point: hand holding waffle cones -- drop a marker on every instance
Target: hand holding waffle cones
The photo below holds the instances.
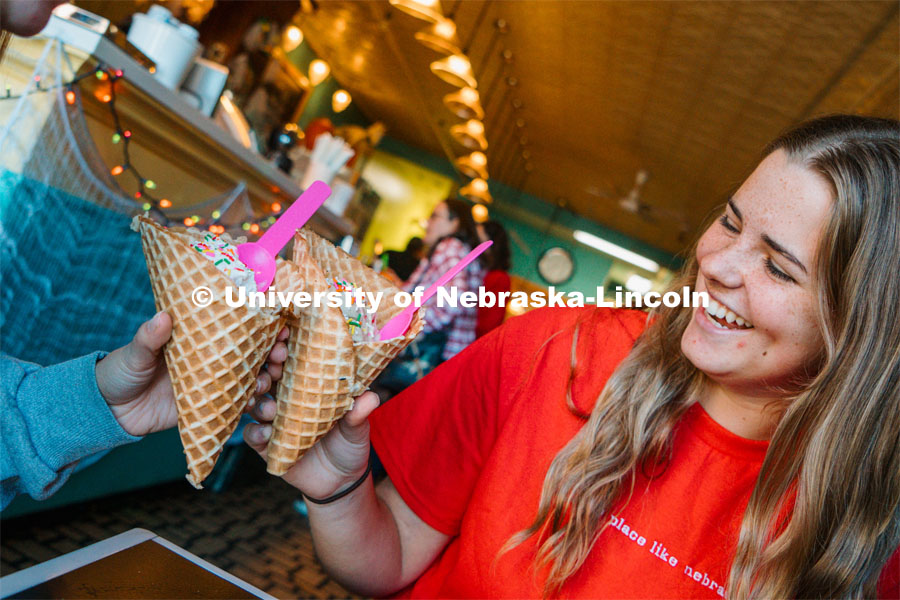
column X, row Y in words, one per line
column 326, row 368
column 135, row 383
column 216, row 352
column 335, row 461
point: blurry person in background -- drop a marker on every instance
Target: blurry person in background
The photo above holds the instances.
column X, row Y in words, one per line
column 496, row 261
column 449, row 236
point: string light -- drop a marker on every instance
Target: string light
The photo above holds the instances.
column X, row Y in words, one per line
column 147, row 201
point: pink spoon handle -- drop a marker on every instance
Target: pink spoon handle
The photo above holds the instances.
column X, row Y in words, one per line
column 295, row 217
column 431, row 291
column 398, row 325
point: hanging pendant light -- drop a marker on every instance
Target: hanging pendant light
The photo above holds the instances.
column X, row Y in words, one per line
column 473, row 165
column 479, row 213
column 293, row 37
column 470, row 134
column 340, row 100
column 476, row 191
column 440, row 37
column 318, row 71
column 455, row 70
column 465, row 103
column 427, row 10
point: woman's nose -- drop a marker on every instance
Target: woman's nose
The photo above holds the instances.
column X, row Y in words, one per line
column 724, row 265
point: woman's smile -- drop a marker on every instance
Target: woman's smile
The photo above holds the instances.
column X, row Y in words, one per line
column 720, row 315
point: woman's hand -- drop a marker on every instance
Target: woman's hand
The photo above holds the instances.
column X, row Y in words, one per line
column 335, row 462
column 135, row 382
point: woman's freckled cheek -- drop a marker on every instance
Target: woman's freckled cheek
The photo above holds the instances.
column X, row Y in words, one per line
column 741, row 344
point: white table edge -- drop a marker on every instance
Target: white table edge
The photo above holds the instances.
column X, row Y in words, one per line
column 26, row 578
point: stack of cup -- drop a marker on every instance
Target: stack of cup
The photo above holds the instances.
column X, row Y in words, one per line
column 172, row 45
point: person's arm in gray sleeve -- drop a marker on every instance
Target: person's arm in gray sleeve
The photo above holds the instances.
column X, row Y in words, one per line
column 51, row 417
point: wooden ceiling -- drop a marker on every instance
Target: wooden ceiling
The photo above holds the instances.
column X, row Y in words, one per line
column 688, row 91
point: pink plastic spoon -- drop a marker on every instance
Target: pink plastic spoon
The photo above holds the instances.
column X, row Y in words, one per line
column 260, row 256
column 398, row 325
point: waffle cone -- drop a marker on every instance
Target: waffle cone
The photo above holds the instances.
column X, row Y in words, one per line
column 216, row 352
column 325, row 369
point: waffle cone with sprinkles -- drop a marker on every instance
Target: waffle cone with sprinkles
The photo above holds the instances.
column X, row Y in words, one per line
column 216, row 352
column 325, row 369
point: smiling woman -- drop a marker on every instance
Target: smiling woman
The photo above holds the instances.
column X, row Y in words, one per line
column 806, row 255
column 747, row 450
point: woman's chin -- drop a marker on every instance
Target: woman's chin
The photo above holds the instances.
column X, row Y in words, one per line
column 705, row 358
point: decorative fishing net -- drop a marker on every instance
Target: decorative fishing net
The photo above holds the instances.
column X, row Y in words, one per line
column 72, row 274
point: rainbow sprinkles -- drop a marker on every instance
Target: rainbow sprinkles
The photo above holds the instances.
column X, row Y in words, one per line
column 224, row 256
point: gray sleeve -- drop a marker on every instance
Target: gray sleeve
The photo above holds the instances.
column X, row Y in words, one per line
column 51, row 417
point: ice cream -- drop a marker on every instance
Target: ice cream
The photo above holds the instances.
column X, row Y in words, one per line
column 225, row 258
column 359, row 320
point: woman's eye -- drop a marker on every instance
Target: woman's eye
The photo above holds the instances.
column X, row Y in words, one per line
column 775, row 271
column 727, row 224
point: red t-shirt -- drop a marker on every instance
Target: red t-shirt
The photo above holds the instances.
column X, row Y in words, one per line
column 468, row 448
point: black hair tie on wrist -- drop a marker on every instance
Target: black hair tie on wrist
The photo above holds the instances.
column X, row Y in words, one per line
column 340, row 495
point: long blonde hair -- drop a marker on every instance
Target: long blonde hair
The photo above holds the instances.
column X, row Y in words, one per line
column 833, row 462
